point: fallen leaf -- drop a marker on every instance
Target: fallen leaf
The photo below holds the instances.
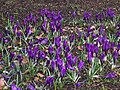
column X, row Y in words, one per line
column 79, row 48
column 40, row 75
column 25, row 60
column 8, row 47
column 1, row 67
column 16, row 42
column 1, row 83
column 36, row 79
column 38, row 37
column 26, row 71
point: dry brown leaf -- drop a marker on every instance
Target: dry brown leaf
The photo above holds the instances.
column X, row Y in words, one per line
column 36, row 79
column 2, row 83
column 79, row 48
column 26, row 71
column 25, row 60
column 16, row 42
column 1, row 67
column 38, row 37
column 40, row 75
column 8, row 47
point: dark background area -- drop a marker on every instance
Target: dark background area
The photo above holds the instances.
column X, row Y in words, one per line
column 20, row 8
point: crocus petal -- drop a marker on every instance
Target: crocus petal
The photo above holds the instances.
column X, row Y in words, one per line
column 30, row 87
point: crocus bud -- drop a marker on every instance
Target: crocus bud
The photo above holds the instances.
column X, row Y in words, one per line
column 57, row 41
column 89, row 57
column 71, row 37
column 50, row 50
column 30, row 87
column 80, row 65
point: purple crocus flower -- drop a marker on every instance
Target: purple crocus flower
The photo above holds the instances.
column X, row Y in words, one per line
column 62, row 71
column 43, row 29
column 11, row 55
column 118, row 46
column 41, row 55
column 14, row 87
column 11, row 19
column 34, row 19
column 115, row 55
column 96, row 17
column 80, row 65
column 52, row 28
column 50, row 50
column 5, row 40
column 110, row 75
column 19, row 57
column 61, row 31
column 58, row 25
column 79, row 34
column 74, row 59
column 71, row 37
column 74, row 14
column 44, row 41
column 47, row 63
column 93, row 35
column 77, row 84
column 85, row 16
column 57, row 41
column 49, row 80
column 52, row 65
column 30, row 87
column 65, row 44
column 89, row 57
column 102, row 57
column 101, row 29
column 15, row 29
column 18, row 34
column 24, row 21
column 101, row 16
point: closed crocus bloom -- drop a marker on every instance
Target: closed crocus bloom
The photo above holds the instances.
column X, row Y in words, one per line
column 34, row 19
column 61, row 31
column 77, row 84
column 115, row 55
column 118, row 33
column 58, row 25
column 110, row 75
column 19, row 57
column 24, row 21
column 85, row 16
column 89, row 55
column 112, row 46
column 71, row 37
column 50, row 50
column 93, row 35
column 11, row 18
column 62, row 71
column 30, row 53
column 47, row 63
column 57, row 41
column 30, row 87
column 15, row 29
column 79, row 34
column 64, row 43
column 18, row 34
column 52, row 28
column 43, row 29
column 96, row 49
column 101, row 29
column 49, row 80
column 80, row 64
column 74, row 14
column 118, row 46
column 92, row 48
column 102, row 57
column 67, row 50
column 101, row 16
column 87, row 46
column 96, row 17
column 74, row 59
column 27, row 30
column 5, row 40
column 11, row 55
column 52, row 65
